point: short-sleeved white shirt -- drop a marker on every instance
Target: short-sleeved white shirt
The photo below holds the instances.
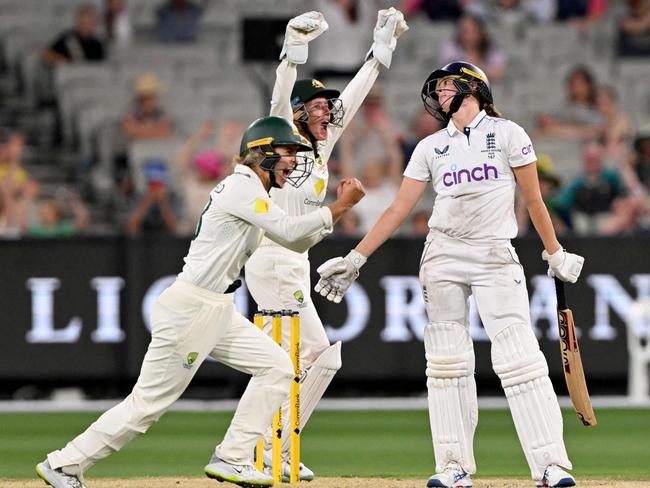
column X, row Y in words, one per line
column 471, row 172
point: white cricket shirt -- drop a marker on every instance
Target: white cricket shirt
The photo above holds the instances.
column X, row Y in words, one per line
column 231, row 227
column 310, row 195
column 471, row 172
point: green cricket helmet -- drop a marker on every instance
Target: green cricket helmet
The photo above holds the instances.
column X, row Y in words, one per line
column 468, row 79
column 308, row 89
column 266, row 133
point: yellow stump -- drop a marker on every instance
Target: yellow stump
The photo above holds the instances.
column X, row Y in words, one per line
column 294, row 446
column 258, row 320
column 276, row 469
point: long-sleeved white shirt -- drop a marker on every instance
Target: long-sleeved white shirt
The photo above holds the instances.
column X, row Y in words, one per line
column 310, row 195
column 236, row 217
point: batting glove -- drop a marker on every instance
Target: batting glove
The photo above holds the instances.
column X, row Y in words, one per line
column 390, row 25
column 300, row 31
column 563, row 265
column 338, row 274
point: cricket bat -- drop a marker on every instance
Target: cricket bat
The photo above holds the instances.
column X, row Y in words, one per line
column 571, row 362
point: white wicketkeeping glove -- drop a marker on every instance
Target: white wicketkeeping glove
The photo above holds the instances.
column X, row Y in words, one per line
column 390, row 25
column 300, row 31
column 563, row 265
column 338, row 274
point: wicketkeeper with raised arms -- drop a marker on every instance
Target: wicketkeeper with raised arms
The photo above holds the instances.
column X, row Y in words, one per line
column 474, row 164
column 278, row 278
column 195, row 317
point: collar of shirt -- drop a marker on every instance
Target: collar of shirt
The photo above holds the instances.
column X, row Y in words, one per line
column 242, row 169
column 452, row 129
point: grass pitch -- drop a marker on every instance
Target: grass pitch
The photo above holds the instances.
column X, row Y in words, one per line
column 364, row 444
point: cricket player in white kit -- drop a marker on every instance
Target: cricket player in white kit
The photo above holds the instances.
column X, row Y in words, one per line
column 474, row 164
column 278, row 278
column 195, row 317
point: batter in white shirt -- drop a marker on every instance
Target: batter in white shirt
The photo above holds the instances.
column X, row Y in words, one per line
column 474, row 164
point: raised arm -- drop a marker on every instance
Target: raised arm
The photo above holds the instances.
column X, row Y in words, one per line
column 390, row 26
column 300, row 31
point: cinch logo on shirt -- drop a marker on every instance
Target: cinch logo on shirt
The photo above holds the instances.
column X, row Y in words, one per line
column 479, row 173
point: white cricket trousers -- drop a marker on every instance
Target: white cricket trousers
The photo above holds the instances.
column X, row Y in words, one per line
column 450, row 271
column 188, row 324
column 277, row 279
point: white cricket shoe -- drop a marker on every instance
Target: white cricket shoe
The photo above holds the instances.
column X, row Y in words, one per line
column 305, row 473
column 56, row 477
column 554, row 476
column 453, row 476
column 245, row 475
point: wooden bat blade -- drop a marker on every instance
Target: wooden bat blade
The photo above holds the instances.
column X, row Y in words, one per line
column 573, row 371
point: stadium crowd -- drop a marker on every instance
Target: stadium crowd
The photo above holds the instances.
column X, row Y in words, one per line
column 119, row 116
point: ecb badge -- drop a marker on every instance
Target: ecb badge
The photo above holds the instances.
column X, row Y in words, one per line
column 490, row 144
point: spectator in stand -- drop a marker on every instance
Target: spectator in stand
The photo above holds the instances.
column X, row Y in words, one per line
column 17, row 188
column 79, row 44
column 513, row 12
column 61, row 216
column 178, row 21
column 582, row 13
column 549, row 187
column 640, row 160
column 423, row 126
column 589, row 198
column 634, row 30
column 617, row 127
column 435, row 10
column 371, row 134
column 578, row 118
column 155, row 211
column 147, row 120
column 632, row 213
column 420, row 224
column 116, row 25
column 340, row 51
column 473, row 44
column 202, row 167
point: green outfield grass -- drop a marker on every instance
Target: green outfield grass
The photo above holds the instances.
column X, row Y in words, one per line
column 355, row 443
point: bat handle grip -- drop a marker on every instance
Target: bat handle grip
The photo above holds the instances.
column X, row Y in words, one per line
column 559, row 293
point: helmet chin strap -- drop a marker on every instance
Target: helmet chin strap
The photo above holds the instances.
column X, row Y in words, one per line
column 304, row 125
column 455, row 105
column 274, row 182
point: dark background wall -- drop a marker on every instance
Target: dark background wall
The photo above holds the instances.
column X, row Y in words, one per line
column 52, row 286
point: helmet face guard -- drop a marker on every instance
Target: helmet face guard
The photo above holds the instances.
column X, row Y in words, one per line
column 268, row 158
column 262, row 137
column 335, row 107
column 468, row 80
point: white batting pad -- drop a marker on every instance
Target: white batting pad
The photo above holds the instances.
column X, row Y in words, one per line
column 523, row 371
column 453, row 406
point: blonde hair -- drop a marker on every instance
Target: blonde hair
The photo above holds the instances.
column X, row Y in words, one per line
column 250, row 159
